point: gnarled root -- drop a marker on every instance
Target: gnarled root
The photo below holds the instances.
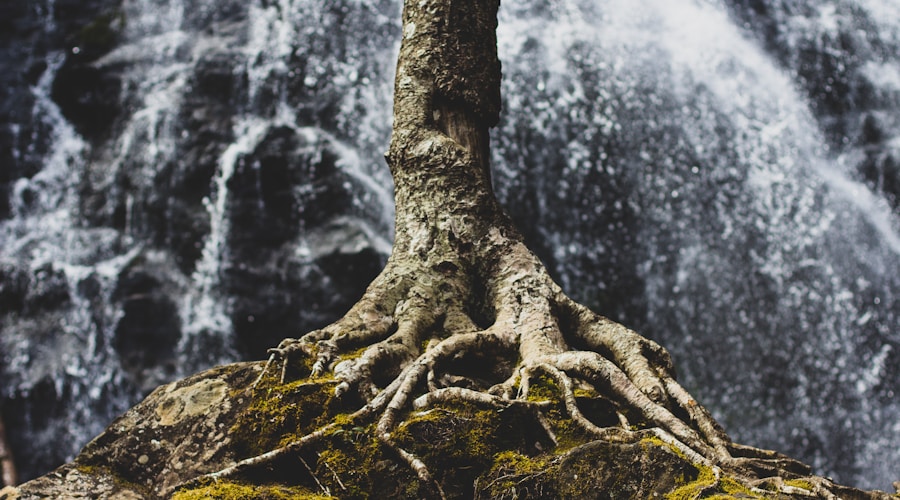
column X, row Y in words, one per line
column 408, row 345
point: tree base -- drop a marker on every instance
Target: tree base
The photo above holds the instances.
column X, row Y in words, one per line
column 410, row 354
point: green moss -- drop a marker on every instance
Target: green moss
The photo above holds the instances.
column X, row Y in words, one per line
column 349, row 465
column 619, row 470
column 511, row 466
column 800, row 483
column 101, row 471
column 226, row 490
column 655, row 441
column 652, row 440
column 693, row 489
column 571, row 476
column 734, row 488
column 568, row 433
column 543, row 388
column 519, row 462
column 353, row 354
column 476, row 432
column 279, row 414
column 585, row 393
column 91, row 470
column 459, row 441
column 706, row 486
column 349, row 461
column 353, row 464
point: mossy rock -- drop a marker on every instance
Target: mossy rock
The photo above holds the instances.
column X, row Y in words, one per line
column 214, row 419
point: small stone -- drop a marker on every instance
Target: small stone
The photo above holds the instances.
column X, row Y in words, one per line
column 143, row 459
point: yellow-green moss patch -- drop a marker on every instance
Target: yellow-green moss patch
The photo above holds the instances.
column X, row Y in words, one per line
column 511, row 466
column 707, row 486
column 800, row 483
column 279, row 414
column 226, row 490
column 543, row 388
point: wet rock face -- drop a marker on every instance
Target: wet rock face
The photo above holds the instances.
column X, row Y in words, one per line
column 88, row 95
column 140, row 184
column 26, row 40
column 289, row 186
column 841, row 55
column 14, row 102
column 880, row 168
column 82, row 93
column 146, row 336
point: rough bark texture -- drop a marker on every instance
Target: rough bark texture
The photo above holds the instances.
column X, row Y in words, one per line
column 463, row 338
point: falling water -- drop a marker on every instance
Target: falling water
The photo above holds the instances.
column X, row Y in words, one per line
column 72, row 373
column 712, row 213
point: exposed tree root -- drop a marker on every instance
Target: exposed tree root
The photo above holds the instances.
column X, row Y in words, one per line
column 405, row 348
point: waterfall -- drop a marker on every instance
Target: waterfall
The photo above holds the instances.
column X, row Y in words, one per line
column 683, row 181
column 58, row 360
column 190, row 181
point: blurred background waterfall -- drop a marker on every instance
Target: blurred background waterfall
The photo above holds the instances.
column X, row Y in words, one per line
column 185, row 182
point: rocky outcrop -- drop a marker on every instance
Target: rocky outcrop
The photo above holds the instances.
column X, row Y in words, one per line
column 209, row 421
